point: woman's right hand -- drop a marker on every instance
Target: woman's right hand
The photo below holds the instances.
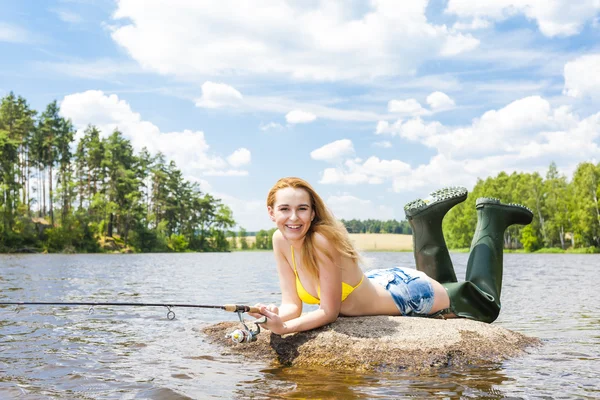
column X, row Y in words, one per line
column 271, row 307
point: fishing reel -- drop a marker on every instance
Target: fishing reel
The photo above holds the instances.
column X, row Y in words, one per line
column 245, row 334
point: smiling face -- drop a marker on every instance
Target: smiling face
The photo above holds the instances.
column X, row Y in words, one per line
column 292, row 212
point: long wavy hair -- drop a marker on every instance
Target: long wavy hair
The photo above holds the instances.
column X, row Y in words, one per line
column 324, row 223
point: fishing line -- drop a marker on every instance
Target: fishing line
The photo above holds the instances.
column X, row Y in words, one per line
column 239, row 335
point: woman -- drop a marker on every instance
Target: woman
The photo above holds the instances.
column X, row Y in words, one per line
column 317, row 264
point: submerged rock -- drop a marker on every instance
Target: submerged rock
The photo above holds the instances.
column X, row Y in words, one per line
column 382, row 343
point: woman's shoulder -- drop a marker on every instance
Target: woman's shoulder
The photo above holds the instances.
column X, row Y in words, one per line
column 322, row 241
column 278, row 239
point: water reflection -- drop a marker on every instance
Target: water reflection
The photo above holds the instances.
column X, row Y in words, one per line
column 290, row 382
column 117, row 353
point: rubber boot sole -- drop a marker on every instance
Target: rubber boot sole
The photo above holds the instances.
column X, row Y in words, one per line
column 516, row 213
column 454, row 194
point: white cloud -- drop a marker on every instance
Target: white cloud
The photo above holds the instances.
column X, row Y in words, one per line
column 525, row 135
column 474, row 24
column 225, row 172
column 407, row 107
column 346, row 206
column 459, row 43
column 373, row 171
column 496, row 131
column 373, row 166
column 249, row 214
column 69, row 16
column 426, row 177
column 555, row 17
column 337, row 176
column 582, row 76
column 440, row 101
column 385, row 144
column 239, row 157
column 96, row 69
column 333, row 151
column 13, row 34
column 215, row 95
column 188, row 149
column 384, row 127
column 299, row 117
column 203, row 184
column 195, row 39
column 414, row 129
column 270, row 125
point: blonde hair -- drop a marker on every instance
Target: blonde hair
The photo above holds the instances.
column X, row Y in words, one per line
column 323, row 223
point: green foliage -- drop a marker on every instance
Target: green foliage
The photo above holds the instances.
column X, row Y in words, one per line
column 585, row 250
column 529, row 239
column 243, row 240
column 550, row 250
column 377, row 226
column 264, row 239
column 59, row 195
column 562, row 210
column 56, row 194
column 177, row 243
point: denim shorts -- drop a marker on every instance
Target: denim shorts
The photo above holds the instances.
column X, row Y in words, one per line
column 411, row 290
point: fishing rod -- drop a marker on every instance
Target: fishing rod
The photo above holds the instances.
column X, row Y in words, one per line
column 239, row 335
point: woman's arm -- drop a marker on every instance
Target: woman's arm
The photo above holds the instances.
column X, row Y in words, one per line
column 330, row 281
column 291, row 305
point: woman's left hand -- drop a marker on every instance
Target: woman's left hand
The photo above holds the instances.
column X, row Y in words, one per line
column 274, row 322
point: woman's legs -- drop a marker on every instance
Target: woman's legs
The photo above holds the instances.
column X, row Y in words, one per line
column 479, row 296
column 425, row 217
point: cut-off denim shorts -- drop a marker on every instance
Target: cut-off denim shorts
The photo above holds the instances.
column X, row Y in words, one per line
column 411, row 290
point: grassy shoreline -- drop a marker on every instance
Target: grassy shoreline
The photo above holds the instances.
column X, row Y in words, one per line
column 389, row 242
column 546, row 250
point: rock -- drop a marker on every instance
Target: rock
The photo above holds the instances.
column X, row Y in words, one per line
column 382, row 343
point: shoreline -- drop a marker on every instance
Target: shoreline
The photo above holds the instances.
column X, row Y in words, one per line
column 364, row 242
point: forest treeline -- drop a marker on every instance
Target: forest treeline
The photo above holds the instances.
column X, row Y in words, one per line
column 263, row 238
column 62, row 194
column 377, row 226
column 59, row 194
column 566, row 213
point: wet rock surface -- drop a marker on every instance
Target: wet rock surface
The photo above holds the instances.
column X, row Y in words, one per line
column 382, row 343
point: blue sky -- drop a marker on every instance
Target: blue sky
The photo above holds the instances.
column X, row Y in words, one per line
column 375, row 103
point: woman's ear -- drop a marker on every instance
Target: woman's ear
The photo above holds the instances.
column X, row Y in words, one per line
column 271, row 213
column 312, row 217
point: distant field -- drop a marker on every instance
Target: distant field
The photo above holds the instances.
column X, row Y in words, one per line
column 370, row 241
column 381, row 241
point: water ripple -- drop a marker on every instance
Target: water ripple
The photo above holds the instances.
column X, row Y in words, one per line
column 135, row 353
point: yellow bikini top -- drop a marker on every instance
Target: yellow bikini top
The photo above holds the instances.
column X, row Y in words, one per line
column 309, row 298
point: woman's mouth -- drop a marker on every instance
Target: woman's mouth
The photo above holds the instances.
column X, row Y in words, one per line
column 293, row 227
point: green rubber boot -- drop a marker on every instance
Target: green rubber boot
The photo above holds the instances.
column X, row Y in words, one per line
column 425, row 218
column 479, row 296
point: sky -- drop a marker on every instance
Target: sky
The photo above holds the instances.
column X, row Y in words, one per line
column 375, row 103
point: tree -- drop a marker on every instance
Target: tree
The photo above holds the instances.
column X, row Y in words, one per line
column 16, row 126
column 557, row 206
column 586, row 215
column 243, row 240
column 121, row 187
column 51, row 128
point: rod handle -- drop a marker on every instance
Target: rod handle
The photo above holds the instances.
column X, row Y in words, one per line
column 236, row 308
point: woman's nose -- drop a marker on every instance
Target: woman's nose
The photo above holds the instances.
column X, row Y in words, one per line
column 293, row 217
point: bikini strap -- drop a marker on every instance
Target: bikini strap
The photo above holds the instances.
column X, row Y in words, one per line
column 294, row 260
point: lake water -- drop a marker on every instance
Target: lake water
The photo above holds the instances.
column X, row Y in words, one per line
column 137, row 353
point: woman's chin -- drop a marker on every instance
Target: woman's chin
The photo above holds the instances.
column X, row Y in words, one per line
column 292, row 234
